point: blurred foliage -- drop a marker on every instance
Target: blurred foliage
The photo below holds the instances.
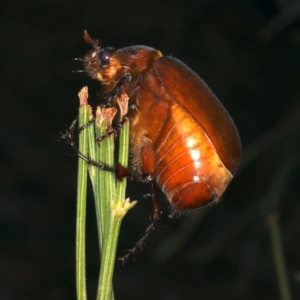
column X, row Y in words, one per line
column 247, row 52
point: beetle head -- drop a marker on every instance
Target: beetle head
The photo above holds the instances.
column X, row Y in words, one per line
column 103, row 64
column 99, row 63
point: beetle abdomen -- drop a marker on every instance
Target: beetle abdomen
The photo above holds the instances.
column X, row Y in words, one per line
column 188, row 169
column 170, row 145
column 191, row 93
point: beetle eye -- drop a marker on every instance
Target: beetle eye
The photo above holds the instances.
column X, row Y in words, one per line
column 105, row 55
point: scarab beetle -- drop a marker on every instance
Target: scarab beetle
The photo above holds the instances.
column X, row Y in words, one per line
column 181, row 136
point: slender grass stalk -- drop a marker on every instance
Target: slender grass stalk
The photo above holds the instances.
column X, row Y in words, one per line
column 94, row 174
column 269, row 208
column 123, row 151
column 99, row 178
column 81, row 201
column 109, row 251
column 278, row 257
column 105, row 180
column 111, row 205
column 118, row 208
column 104, row 184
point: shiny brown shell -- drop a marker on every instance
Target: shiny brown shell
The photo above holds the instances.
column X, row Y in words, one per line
column 181, row 135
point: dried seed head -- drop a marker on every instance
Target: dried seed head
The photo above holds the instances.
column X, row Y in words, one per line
column 83, row 96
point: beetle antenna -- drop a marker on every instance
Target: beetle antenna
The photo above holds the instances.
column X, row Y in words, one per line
column 139, row 244
column 89, row 40
column 87, row 37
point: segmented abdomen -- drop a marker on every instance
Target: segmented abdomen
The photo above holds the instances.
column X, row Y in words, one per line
column 188, row 169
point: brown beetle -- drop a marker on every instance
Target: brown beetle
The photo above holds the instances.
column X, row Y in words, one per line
column 181, row 136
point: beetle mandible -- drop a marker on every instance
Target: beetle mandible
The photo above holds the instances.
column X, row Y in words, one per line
column 181, row 136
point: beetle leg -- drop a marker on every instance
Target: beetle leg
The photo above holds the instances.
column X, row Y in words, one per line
column 138, row 245
column 148, row 162
column 86, row 125
column 132, row 106
column 119, row 170
column 133, row 102
column 68, row 135
column 126, row 77
column 155, row 216
column 157, row 208
column 119, row 126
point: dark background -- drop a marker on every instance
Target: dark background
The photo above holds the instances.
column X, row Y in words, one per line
column 249, row 54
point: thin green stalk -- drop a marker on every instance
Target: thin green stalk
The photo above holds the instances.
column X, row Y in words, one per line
column 103, row 182
column 106, row 179
column 123, row 151
column 123, row 160
column 119, row 210
column 118, row 207
column 278, row 257
column 109, row 181
column 269, row 207
column 94, row 176
column 81, row 205
column 103, row 178
column 108, row 260
column 111, row 205
column 109, row 250
column 109, row 143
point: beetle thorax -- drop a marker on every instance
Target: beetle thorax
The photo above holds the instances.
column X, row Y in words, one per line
column 139, row 59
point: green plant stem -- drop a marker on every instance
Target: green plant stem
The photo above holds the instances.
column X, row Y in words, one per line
column 269, row 207
column 109, row 251
column 111, row 205
column 81, row 207
column 94, row 173
column 109, row 181
column 278, row 257
column 108, row 259
column 123, row 160
column 102, row 186
column 106, row 190
column 119, row 208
